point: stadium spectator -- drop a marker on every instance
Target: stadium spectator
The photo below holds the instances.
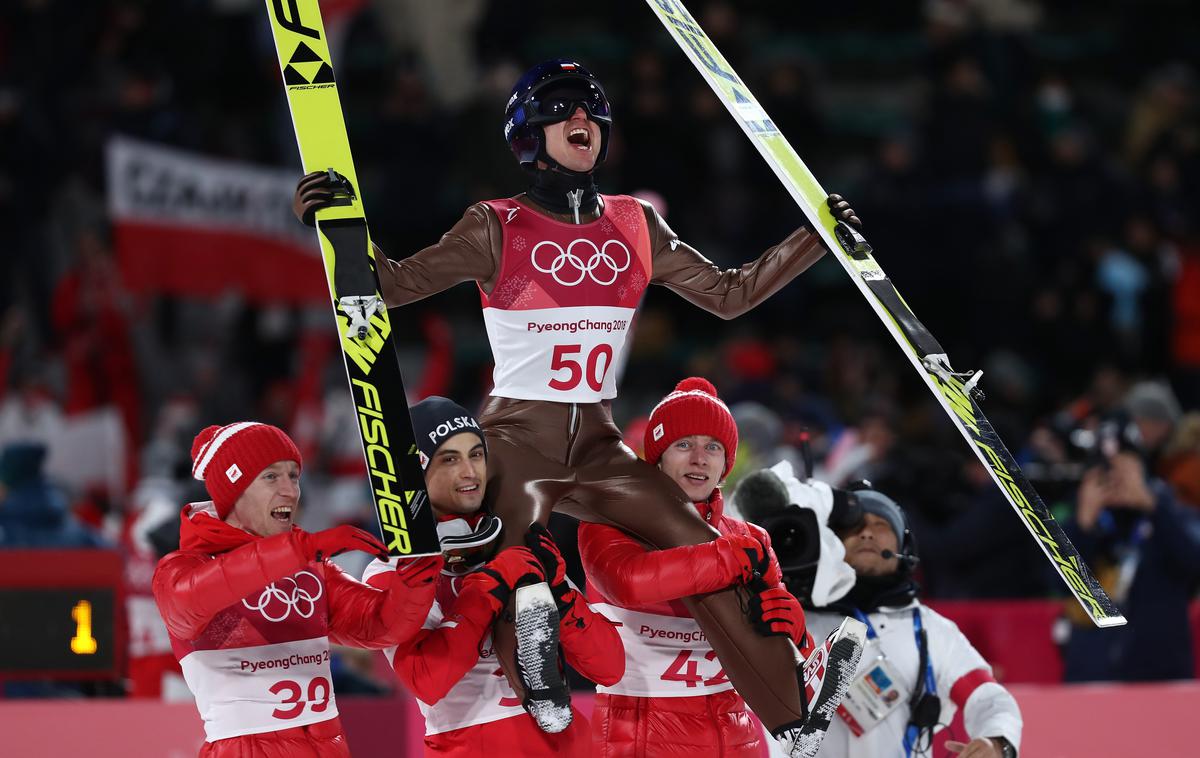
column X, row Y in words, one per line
column 34, row 513
column 1145, row 550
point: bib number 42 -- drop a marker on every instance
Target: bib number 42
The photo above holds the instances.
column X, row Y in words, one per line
column 685, row 669
column 591, row 370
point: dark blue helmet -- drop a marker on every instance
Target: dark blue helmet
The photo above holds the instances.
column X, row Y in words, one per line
column 548, row 93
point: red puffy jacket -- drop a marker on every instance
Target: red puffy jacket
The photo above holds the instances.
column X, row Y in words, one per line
column 469, row 706
column 251, row 620
column 628, row 574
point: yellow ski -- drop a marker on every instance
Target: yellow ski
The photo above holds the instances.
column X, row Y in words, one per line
column 956, row 392
column 397, row 482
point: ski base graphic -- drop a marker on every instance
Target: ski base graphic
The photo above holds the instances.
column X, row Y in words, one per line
column 397, row 482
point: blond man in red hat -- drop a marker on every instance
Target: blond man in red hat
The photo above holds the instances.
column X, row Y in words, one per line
column 252, row 602
column 674, row 698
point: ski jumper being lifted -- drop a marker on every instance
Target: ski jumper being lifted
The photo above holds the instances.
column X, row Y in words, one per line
column 560, row 270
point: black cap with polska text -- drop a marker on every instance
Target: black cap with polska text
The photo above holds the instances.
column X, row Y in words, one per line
column 435, row 420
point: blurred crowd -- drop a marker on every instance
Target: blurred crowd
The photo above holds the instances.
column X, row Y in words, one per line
column 1027, row 172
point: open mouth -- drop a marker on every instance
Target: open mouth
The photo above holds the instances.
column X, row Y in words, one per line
column 580, row 138
column 467, row 489
column 282, row 513
column 697, row 478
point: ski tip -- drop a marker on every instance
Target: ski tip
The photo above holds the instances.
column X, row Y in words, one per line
column 854, row 629
column 1106, row 621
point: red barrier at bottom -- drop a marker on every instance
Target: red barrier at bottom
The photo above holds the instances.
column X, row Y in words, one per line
column 1080, row 721
column 1108, row 721
column 99, row 729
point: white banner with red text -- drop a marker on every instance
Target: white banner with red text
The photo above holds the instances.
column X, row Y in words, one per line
column 193, row 225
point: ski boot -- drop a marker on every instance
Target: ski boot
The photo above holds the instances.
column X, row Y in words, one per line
column 827, row 674
column 547, row 697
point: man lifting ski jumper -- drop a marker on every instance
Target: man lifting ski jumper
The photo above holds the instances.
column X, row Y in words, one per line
column 252, row 603
column 673, row 699
column 560, row 270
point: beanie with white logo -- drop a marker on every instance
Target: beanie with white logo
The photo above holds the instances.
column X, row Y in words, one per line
column 435, row 420
column 693, row 408
column 228, row 458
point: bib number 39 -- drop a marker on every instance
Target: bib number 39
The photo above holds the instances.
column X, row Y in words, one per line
column 593, row 370
column 317, row 701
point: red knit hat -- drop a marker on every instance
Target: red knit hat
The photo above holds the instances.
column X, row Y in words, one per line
column 693, row 408
column 228, row 458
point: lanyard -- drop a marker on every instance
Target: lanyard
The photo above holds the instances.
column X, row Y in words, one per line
column 912, row 733
column 928, row 683
column 871, row 635
column 1136, row 535
column 918, row 630
column 919, row 634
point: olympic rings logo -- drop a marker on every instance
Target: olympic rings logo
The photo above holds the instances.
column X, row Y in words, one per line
column 577, row 268
column 299, row 598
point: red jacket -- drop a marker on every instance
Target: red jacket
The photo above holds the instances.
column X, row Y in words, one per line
column 251, row 620
column 469, row 707
column 643, row 588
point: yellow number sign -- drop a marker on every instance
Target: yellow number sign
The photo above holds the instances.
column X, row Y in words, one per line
column 83, row 643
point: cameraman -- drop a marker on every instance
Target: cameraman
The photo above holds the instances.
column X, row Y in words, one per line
column 1145, row 550
column 917, row 668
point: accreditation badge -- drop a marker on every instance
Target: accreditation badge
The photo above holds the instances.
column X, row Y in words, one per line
column 871, row 697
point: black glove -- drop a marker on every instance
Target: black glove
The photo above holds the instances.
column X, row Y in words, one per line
column 539, row 540
column 314, row 192
column 774, row 611
column 843, row 212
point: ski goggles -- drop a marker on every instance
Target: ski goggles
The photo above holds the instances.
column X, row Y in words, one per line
column 466, row 548
column 558, row 101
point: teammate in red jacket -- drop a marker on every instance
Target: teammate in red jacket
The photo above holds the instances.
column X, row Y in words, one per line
column 251, row 603
column 469, row 706
column 674, row 698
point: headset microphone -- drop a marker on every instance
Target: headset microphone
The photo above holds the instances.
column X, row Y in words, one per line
column 908, row 558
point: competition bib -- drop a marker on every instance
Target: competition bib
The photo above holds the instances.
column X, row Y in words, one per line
column 261, row 689
column 665, row 656
column 481, row 696
column 262, row 664
column 561, row 308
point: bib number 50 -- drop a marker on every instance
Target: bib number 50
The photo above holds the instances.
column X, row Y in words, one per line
column 590, row 371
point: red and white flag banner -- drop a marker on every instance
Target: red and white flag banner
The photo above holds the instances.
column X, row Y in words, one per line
column 188, row 224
